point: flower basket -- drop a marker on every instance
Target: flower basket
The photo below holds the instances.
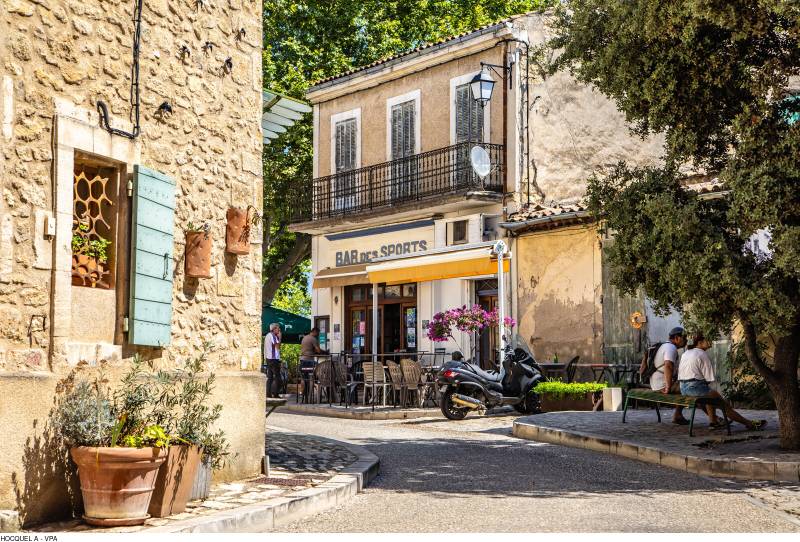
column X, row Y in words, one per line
column 117, row 483
column 237, row 231
column 174, row 481
column 197, row 261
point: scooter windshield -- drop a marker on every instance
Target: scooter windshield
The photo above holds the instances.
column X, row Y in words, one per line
column 517, row 342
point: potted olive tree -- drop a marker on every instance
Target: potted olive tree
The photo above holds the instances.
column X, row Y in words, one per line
column 184, row 408
column 115, row 445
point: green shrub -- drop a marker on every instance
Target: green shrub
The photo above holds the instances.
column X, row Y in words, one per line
column 746, row 388
column 290, row 355
column 562, row 390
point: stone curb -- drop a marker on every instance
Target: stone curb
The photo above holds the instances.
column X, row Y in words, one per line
column 284, row 510
column 788, row 471
column 353, row 414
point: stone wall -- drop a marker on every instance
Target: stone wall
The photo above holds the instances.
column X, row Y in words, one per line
column 57, row 59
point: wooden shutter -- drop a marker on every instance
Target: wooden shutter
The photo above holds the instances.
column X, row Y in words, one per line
column 403, row 130
column 150, row 319
column 468, row 110
column 345, row 145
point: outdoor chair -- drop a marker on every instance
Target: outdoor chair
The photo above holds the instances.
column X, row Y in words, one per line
column 398, row 387
column 345, row 384
column 322, row 383
column 570, row 369
column 412, row 376
column 375, row 379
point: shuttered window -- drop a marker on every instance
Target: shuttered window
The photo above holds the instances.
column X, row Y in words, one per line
column 346, row 193
column 468, row 112
column 150, row 319
column 403, row 130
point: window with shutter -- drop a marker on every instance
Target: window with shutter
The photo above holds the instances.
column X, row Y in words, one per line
column 469, row 116
column 404, row 146
column 345, row 189
column 150, row 319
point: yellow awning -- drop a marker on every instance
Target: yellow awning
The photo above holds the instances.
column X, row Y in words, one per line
column 348, row 275
column 459, row 264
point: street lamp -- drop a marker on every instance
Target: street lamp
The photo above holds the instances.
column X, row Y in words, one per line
column 482, row 86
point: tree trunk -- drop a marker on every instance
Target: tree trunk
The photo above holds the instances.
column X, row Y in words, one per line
column 299, row 252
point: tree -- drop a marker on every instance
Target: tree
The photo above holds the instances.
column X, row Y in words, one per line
column 712, row 75
column 309, row 40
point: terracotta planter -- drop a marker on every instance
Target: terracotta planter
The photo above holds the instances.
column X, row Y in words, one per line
column 89, row 271
column 553, row 404
column 174, row 482
column 202, row 481
column 237, row 231
column 117, row 483
column 197, row 262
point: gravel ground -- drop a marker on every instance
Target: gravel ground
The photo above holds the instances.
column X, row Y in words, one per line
column 473, row 476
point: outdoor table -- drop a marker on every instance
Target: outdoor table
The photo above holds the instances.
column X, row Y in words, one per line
column 274, row 403
column 612, row 371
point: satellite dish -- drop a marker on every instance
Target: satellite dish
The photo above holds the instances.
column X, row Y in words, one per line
column 480, row 161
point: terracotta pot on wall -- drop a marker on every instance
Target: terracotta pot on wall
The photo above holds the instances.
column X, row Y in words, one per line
column 237, row 231
column 88, row 271
column 198, row 254
column 117, row 483
column 174, row 482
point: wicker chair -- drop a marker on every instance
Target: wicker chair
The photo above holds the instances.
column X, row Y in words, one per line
column 375, row 378
column 412, row 379
column 322, row 382
column 344, row 381
column 398, row 387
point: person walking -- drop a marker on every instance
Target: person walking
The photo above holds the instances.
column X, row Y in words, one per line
column 272, row 359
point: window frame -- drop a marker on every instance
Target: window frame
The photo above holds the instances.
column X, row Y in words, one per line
column 456, row 82
column 416, row 97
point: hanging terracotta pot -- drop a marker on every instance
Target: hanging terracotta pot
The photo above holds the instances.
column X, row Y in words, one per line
column 237, row 232
column 197, row 262
column 117, row 483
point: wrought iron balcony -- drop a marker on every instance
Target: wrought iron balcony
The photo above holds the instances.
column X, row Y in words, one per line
column 438, row 172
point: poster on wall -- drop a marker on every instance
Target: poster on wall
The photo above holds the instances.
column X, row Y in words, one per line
column 411, row 337
column 362, row 327
column 323, row 340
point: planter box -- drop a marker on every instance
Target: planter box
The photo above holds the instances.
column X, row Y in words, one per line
column 174, row 482
column 202, row 482
column 570, row 402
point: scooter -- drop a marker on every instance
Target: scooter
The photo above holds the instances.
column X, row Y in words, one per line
column 464, row 387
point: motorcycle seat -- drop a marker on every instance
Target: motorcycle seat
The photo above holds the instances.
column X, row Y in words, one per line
column 490, row 376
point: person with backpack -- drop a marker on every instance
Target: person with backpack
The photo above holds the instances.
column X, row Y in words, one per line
column 660, row 365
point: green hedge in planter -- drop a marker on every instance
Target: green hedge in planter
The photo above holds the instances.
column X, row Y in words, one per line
column 562, row 390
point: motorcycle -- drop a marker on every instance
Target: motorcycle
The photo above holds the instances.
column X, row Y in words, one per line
column 464, row 387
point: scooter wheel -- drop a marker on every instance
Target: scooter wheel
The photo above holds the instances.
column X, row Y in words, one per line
column 529, row 406
column 450, row 410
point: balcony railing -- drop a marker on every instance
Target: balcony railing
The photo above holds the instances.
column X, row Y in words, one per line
column 432, row 173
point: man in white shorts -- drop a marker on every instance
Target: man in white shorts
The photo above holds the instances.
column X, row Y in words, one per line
column 665, row 378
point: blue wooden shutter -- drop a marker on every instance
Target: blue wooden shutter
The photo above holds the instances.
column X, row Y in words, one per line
column 150, row 319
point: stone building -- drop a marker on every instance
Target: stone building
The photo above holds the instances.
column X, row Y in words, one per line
column 395, row 203
column 180, row 144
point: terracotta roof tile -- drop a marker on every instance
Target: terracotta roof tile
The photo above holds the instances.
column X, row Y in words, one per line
column 538, row 210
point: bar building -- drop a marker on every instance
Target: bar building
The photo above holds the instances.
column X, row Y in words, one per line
column 395, row 204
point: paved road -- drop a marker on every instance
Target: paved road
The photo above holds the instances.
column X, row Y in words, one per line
column 474, row 476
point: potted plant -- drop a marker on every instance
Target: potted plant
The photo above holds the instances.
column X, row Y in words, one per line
column 89, row 256
column 116, row 448
column 184, row 407
column 237, row 230
column 614, row 395
column 556, row 395
column 215, row 456
column 197, row 260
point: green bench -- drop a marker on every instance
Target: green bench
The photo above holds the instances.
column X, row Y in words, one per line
column 658, row 398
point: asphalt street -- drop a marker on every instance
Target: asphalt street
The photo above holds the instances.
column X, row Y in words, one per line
column 473, row 476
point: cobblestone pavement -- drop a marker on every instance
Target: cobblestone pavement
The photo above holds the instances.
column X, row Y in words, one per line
column 297, row 462
column 474, row 476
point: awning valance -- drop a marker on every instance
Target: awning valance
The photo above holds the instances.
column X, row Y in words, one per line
column 348, row 275
column 457, row 264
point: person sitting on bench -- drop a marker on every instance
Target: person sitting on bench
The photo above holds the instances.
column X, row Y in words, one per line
column 664, row 379
column 695, row 373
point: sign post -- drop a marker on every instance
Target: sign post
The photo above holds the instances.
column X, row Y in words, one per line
column 500, row 249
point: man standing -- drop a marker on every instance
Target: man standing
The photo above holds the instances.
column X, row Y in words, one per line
column 665, row 377
column 272, row 359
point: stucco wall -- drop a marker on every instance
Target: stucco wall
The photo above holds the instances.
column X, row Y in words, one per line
column 558, row 288
column 434, row 86
column 59, row 57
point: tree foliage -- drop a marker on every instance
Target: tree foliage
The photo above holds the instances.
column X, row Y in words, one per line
column 308, row 40
column 713, row 77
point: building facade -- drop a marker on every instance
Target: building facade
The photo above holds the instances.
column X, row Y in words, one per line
column 394, row 193
column 96, row 201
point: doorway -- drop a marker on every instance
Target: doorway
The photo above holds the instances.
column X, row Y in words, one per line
column 397, row 318
column 486, row 292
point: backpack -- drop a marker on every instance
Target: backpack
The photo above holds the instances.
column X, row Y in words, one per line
column 648, row 365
